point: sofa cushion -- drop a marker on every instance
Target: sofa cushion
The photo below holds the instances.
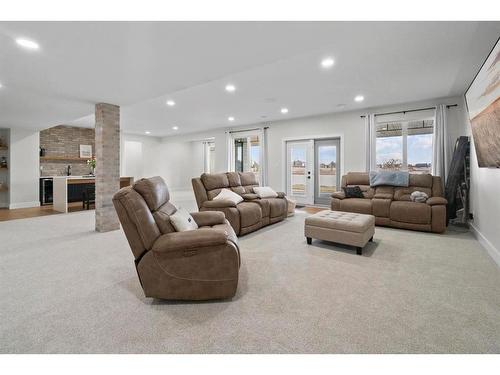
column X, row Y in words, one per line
column 213, row 181
column 228, row 195
column 353, row 192
column 381, row 207
column 404, row 193
column 234, row 179
column 248, row 178
column 421, row 180
column 250, row 213
column 359, row 205
column 357, row 178
column 278, row 207
column 183, row 221
column 410, row 212
column 265, row 192
column 154, row 190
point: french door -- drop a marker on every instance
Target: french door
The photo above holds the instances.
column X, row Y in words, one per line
column 300, row 171
column 313, row 170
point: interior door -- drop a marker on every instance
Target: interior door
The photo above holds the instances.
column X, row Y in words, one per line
column 300, row 171
column 327, row 167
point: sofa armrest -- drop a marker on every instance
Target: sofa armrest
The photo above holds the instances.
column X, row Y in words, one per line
column 208, row 218
column 189, row 240
column 281, row 194
column 218, row 203
column 250, row 196
column 338, row 195
column 433, row 201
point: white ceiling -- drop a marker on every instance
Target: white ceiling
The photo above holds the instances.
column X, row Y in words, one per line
column 139, row 65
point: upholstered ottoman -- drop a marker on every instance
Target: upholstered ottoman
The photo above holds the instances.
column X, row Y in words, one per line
column 342, row 227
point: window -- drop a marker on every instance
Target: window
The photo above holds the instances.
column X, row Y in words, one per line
column 209, row 154
column 405, row 145
column 247, row 154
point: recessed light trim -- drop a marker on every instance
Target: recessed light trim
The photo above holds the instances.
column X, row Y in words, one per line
column 170, row 103
column 230, row 118
column 175, row 127
column 230, row 87
column 147, row 132
column 327, row 62
column 284, row 110
column 359, row 98
column 27, row 43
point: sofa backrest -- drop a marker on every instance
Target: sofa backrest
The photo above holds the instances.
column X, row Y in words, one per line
column 144, row 210
column 431, row 185
column 209, row 185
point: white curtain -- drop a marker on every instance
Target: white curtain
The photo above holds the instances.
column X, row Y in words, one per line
column 441, row 150
column 370, row 138
column 263, row 156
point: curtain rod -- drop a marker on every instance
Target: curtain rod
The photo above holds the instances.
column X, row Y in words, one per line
column 245, row 130
column 410, row 110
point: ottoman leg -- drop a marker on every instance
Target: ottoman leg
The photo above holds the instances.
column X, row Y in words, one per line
column 371, row 239
column 359, row 250
column 309, row 240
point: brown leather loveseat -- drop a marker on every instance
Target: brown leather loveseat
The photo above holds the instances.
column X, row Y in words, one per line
column 247, row 216
column 198, row 264
column 392, row 206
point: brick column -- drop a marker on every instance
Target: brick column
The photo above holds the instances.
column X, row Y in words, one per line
column 107, row 174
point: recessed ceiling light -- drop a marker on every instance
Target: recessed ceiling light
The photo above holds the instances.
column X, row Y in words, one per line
column 327, row 62
column 359, row 98
column 284, row 110
column 170, row 103
column 27, row 43
column 230, row 88
column 1, row 85
column 175, row 127
column 147, row 132
column 230, row 118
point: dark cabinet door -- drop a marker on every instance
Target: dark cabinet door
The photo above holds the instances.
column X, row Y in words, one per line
column 75, row 192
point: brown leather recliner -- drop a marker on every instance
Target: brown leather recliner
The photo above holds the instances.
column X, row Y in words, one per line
column 199, row 264
column 392, row 206
column 247, row 216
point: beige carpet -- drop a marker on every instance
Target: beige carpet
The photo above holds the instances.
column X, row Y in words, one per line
column 66, row 289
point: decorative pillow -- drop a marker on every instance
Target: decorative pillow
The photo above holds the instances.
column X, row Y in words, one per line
column 264, row 192
column 183, row 221
column 353, row 192
column 228, row 195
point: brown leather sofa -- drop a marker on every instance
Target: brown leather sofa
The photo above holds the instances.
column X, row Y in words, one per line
column 392, row 206
column 199, row 264
column 247, row 216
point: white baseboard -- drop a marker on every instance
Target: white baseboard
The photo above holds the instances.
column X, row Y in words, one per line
column 24, row 205
column 492, row 250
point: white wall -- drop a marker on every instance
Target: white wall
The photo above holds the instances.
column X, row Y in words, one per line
column 485, row 201
column 183, row 158
column 24, row 168
column 139, row 156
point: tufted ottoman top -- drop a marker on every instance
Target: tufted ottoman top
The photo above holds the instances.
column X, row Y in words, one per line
column 346, row 221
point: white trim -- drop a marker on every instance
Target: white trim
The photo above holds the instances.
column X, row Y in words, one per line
column 13, row 206
column 488, row 246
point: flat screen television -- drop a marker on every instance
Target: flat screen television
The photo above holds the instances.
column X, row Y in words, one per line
column 483, row 105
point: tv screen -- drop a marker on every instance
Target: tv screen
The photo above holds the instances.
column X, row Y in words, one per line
column 483, row 105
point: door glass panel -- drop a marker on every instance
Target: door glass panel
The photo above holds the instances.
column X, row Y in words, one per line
column 327, row 167
column 298, row 154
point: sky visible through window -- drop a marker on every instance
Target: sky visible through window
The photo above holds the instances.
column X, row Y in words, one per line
column 419, row 149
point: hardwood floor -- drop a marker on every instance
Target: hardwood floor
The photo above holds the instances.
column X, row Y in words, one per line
column 312, row 209
column 23, row 213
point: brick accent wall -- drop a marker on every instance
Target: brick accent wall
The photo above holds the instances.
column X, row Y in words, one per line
column 65, row 141
column 107, row 181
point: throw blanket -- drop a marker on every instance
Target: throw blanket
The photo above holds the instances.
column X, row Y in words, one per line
column 419, row 196
column 390, row 178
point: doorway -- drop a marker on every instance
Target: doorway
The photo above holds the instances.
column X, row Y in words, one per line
column 313, row 170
